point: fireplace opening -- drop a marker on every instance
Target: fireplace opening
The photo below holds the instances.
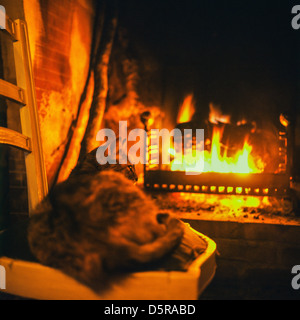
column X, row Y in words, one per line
column 234, row 159
column 222, row 77
column 229, row 69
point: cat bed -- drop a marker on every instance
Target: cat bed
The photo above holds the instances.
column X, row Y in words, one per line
column 27, row 278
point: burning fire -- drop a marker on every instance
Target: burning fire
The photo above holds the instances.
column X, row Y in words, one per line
column 218, row 156
column 216, row 116
column 216, row 159
column 186, row 110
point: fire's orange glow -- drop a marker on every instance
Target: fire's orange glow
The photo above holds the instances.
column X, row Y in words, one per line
column 216, row 116
column 216, row 159
column 227, row 207
column 186, row 110
column 235, row 202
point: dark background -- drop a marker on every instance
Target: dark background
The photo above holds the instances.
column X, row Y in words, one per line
column 242, row 55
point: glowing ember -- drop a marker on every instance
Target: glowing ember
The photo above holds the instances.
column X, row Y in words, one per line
column 226, row 207
column 235, row 203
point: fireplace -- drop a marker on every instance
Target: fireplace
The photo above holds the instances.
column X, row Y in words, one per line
column 223, row 177
column 234, row 120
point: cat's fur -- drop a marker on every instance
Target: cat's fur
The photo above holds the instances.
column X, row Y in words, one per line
column 89, row 165
column 92, row 226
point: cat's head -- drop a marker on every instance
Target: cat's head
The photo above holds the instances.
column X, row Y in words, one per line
column 90, row 165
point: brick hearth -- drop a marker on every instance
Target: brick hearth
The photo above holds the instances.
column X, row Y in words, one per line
column 255, row 258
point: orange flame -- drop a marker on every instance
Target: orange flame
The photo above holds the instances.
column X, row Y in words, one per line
column 215, row 160
column 216, row 116
column 242, row 162
column 186, row 110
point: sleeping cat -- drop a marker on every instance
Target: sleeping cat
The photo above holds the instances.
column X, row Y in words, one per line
column 95, row 225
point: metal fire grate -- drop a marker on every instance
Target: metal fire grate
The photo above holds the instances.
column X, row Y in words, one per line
column 257, row 184
column 218, row 183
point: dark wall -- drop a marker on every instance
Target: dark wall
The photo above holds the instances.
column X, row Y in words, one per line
column 241, row 55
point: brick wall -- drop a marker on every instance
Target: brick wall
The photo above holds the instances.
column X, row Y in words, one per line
column 255, row 259
column 60, row 33
column 18, row 198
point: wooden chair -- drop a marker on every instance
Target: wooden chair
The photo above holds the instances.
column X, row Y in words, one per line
column 24, row 95
column 33, row 280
